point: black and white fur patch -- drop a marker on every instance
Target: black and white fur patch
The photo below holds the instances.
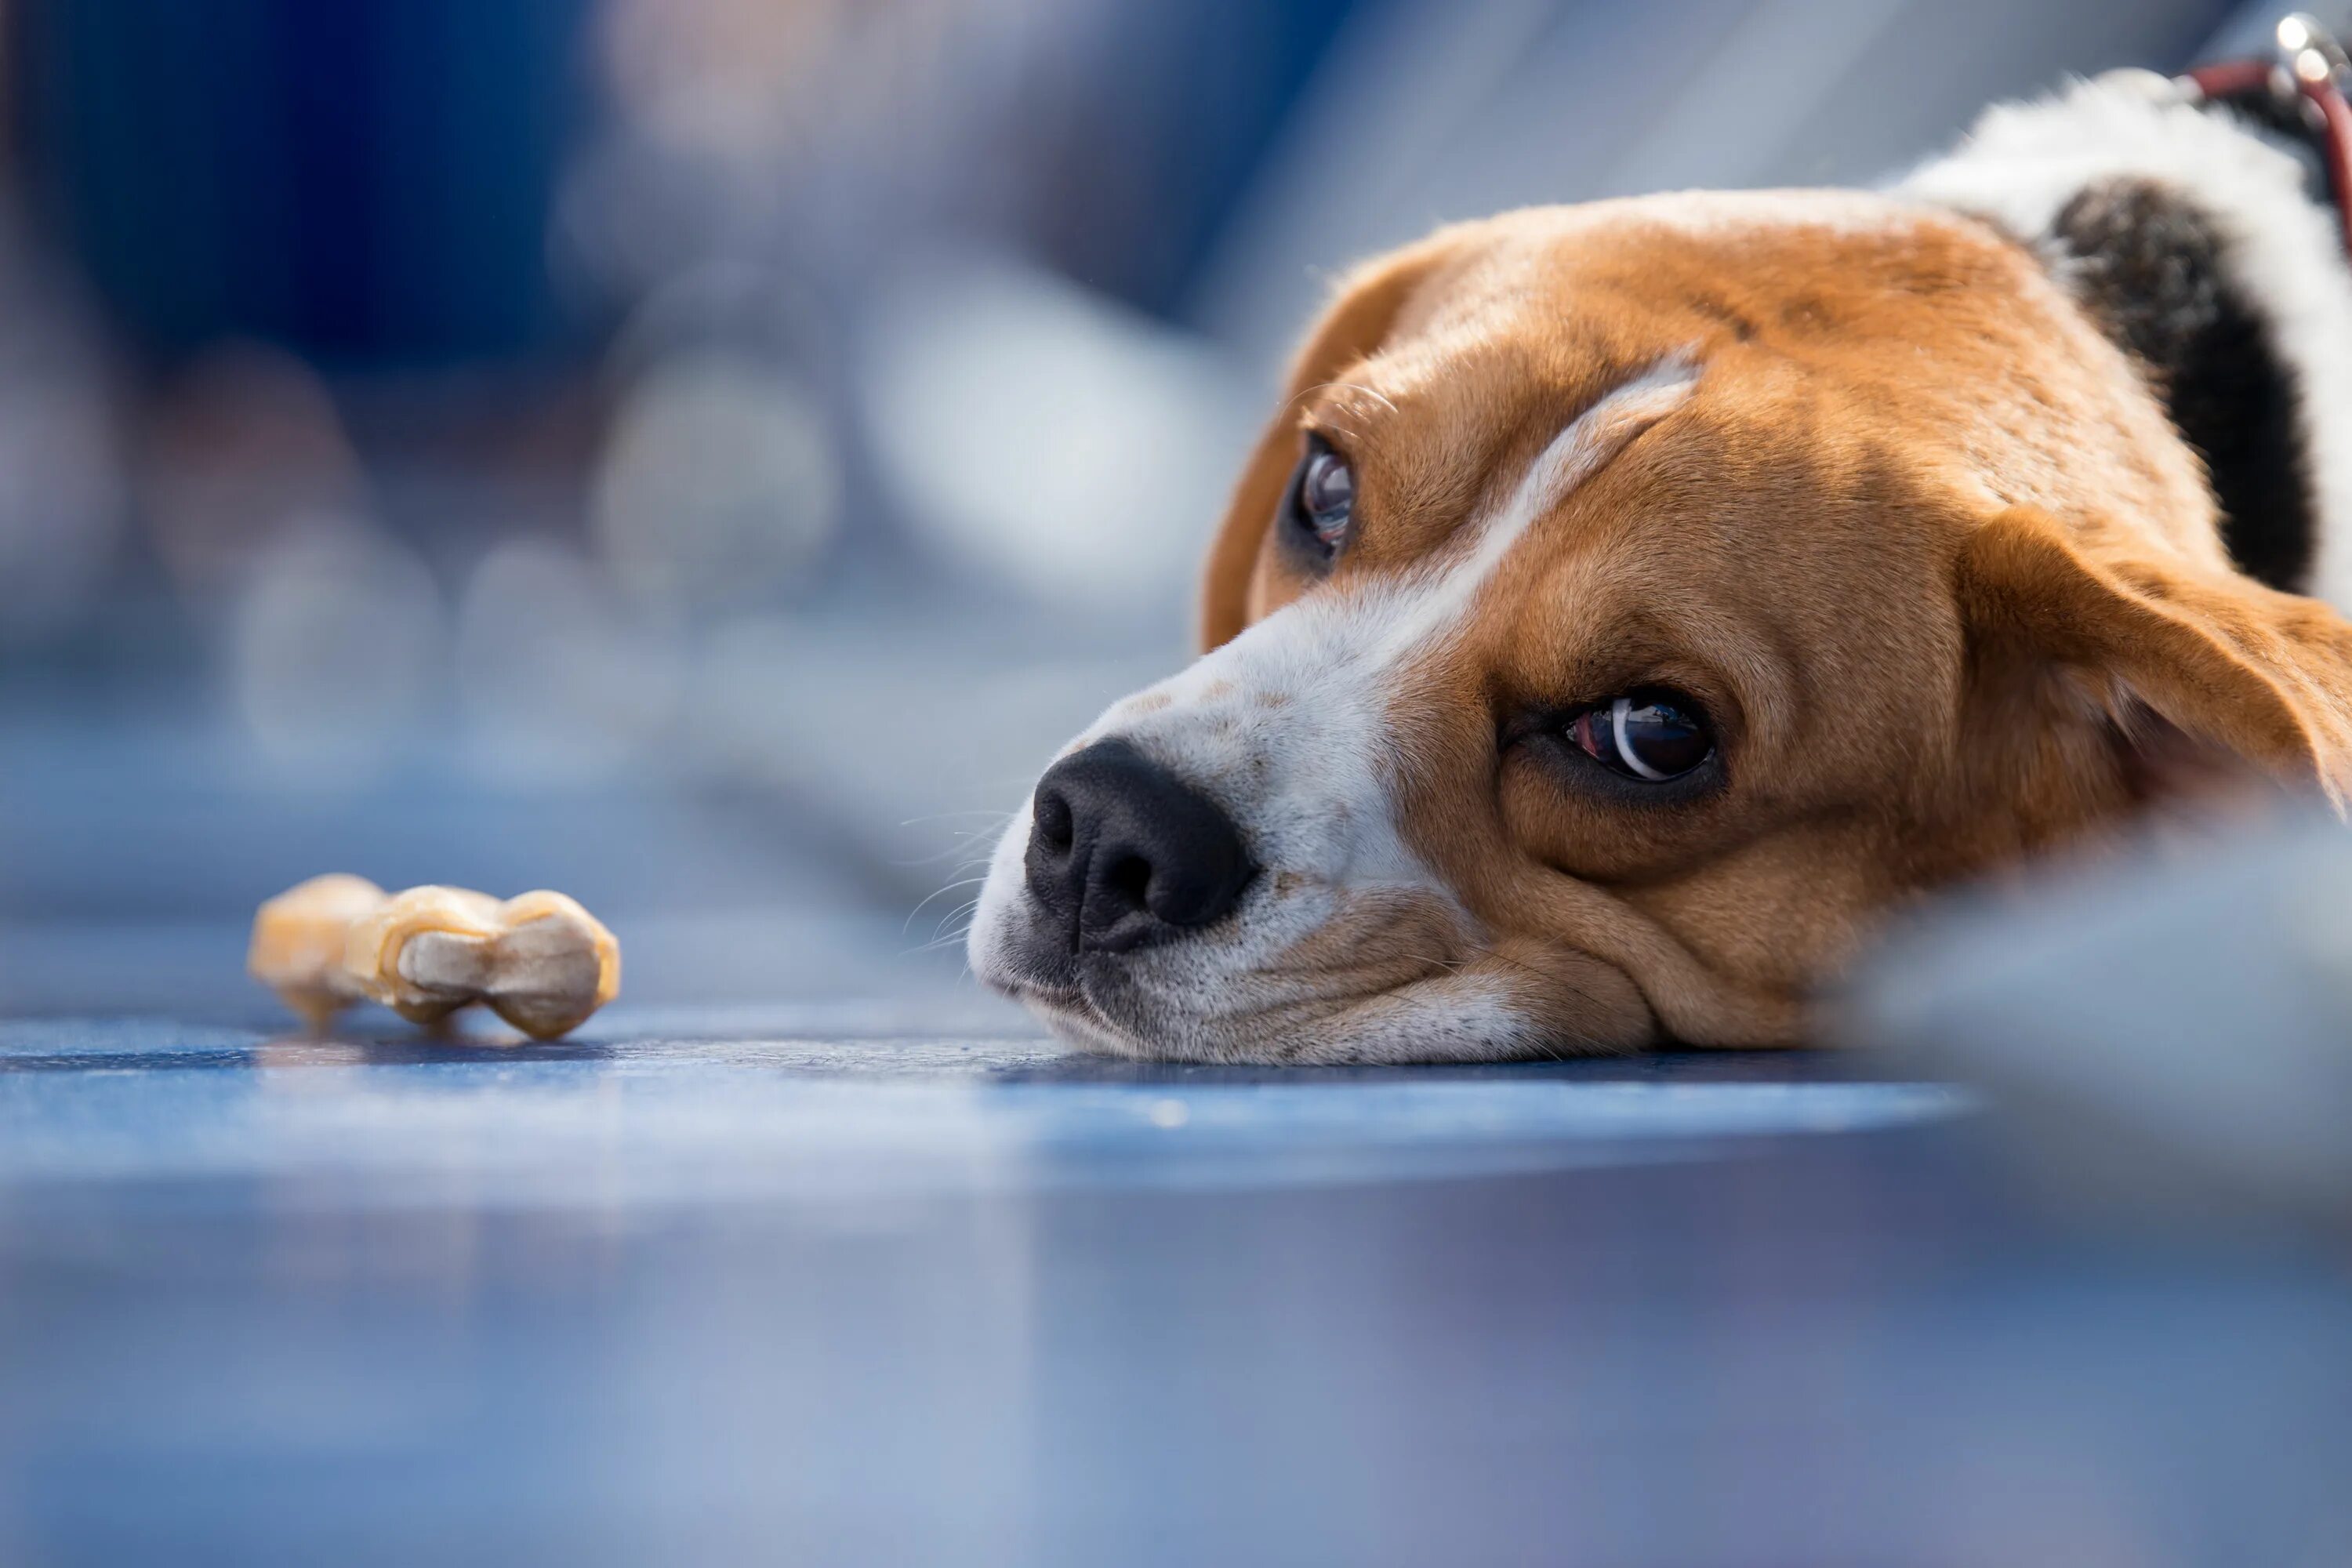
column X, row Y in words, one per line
column 2197, row 244
column 2153, row 269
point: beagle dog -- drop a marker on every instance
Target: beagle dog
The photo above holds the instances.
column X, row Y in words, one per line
column 1629, row 605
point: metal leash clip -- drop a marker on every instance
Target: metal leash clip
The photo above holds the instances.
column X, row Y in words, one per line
column 2298, row 91
column 2308, row 52
column 2305, row 61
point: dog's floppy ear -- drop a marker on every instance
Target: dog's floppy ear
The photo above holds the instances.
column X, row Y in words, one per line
column 1363, row 308
column 2176, row 657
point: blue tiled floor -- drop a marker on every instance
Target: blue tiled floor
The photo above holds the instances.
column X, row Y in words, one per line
column 775, row 1286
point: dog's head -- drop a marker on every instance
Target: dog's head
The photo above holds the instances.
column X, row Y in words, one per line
column 1624, row 606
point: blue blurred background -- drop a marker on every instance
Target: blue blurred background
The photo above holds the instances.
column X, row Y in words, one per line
column 701, row 453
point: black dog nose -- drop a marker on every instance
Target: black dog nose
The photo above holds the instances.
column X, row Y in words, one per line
column 1122, row 852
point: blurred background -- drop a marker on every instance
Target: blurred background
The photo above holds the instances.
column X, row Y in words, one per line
column 702, row 454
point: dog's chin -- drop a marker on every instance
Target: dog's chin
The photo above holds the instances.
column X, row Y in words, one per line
column 1078, row 1022
column 1091, row 1018
column 1100, row 1010
column 1393, row 979
column 1074, row 1022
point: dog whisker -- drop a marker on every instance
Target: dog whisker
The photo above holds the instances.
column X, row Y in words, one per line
column 951, row 886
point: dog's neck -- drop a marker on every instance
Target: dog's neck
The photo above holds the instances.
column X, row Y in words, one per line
column 2199, row 246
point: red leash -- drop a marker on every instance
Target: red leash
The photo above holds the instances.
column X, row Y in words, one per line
column 2308, row 73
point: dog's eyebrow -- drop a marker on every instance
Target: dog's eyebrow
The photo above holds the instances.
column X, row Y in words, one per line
column 1579, row 452
column 1575, row 455
column 1594, row 436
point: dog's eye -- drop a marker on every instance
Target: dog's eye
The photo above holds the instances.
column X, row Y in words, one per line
column 1648, row 735
column 1323, row 495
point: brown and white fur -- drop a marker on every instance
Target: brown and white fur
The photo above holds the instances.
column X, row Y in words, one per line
column 1888, row 483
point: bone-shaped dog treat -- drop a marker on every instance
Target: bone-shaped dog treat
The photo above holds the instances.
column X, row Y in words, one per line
column 540, row 961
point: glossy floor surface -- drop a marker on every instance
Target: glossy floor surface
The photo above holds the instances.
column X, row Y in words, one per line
column 869, row 1284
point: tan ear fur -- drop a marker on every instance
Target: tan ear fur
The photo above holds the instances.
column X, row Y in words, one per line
column 2263, row 676
column 1365, row 306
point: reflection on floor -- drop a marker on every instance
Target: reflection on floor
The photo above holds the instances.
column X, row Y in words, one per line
column 864, row 1282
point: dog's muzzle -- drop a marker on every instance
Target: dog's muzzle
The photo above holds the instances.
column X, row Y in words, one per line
column 1123, row 853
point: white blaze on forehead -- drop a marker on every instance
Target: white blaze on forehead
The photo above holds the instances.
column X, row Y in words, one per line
column 1575, row 455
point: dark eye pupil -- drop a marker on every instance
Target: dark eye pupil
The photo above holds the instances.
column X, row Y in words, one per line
column 1659, row 739
column 1327, row 494
column 1647, row 737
